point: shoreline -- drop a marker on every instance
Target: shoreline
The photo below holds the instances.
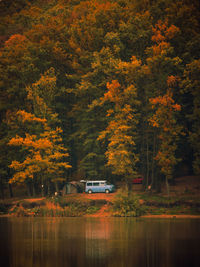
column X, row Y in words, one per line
column 107, row 215
column 172, row 216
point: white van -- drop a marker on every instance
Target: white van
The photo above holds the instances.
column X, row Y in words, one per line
column 98, row 187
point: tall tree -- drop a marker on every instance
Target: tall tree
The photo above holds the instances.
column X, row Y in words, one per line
column 164, row 119
column 191, row 85
column 121, row 153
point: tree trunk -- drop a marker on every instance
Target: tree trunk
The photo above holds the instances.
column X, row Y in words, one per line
column 10, row 190
column 2, row 191
column 142, row 155
column 147, row 160
column 153, row 160
column 56, row 187
column 48, row 188
column 28, row 187
column 167, row 186
column 34, row 191
column 129, row 186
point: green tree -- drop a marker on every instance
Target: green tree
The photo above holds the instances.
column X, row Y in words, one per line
column 190, row 84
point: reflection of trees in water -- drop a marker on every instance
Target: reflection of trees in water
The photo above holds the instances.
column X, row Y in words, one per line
column 101, row 242
column 98, row 235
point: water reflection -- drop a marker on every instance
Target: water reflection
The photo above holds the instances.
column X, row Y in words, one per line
column 99, row 242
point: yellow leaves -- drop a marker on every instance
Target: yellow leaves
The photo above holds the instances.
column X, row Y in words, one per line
column 153, row 122
column 25, row 116
column 16, row 141
column 44, row 151
column 16, row 165
column 113, row 86
column 57, row 155
column 18, row 177
column 109, row 112
column 30, row 142
column 130, row 67
column 102, row 135
column 64, row 165
column 135, row 62
column 33, row 169
column 37, row 157
column 43, row 143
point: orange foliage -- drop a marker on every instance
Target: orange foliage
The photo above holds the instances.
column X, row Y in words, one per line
column 162, row 32
column 158, row 37
column 113, row 91
column 44, row 151
column 171, row 31
column 15, row 40
column 25, row 116
column 164, row 119
column 158, row 49
column 172, row 80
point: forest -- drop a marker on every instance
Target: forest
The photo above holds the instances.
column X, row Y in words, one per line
column 96, row 89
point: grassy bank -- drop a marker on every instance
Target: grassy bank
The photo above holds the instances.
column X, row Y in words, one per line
column 51, row 207
column 119, row 204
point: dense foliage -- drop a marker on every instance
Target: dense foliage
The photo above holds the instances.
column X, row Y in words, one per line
column 111, row 85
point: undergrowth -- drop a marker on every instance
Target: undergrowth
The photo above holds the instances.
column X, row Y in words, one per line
column 56, row 207
column 127, row 204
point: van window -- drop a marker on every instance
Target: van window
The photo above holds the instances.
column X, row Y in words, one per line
column 95, row 184
column 89, row 184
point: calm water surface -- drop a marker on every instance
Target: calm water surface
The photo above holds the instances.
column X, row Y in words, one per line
column 26, row 242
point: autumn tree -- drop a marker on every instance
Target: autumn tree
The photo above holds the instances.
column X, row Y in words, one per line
column 164, row 119
column 41, row 138
column 159, row 64
column 45, row 159
column 120, row 133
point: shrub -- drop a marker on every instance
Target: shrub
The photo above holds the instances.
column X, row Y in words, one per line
column 92, row 209
column 19, row 211
column 127, row 205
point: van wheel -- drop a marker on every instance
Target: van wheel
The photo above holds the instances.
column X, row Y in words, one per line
column 90, row 191
column 107, row 191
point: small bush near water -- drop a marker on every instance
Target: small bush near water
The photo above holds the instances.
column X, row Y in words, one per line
column 127, row 205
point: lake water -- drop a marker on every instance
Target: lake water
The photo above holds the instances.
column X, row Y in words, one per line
column 124, row 242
